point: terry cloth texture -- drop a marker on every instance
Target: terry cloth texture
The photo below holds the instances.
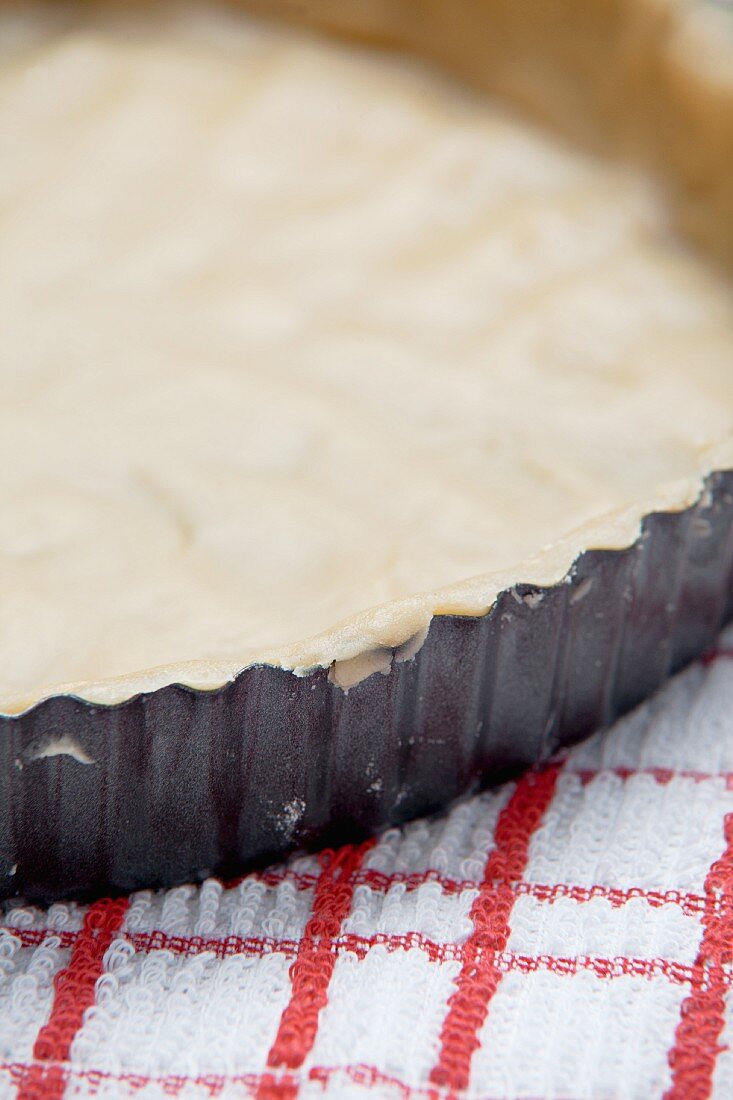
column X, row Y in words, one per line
column 568, row 935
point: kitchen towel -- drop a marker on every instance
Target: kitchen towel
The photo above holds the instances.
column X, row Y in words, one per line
column 567, row 935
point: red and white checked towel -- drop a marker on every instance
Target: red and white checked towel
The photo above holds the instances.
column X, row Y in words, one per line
column 569, row 935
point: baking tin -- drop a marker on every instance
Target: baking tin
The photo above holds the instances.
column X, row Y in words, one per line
column 178, row 784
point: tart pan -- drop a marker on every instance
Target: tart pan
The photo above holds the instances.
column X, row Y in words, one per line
column 177, row 784
column 173, row 784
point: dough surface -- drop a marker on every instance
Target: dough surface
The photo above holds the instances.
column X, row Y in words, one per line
column 291, row 330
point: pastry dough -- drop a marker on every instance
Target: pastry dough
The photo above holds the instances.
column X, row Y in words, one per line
column 296, row 334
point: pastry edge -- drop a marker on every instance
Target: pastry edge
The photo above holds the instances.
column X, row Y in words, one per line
column 366, row 643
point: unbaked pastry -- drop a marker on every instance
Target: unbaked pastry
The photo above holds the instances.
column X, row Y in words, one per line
column 297, row 334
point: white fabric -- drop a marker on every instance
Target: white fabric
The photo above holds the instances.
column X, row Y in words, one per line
column 615, row 922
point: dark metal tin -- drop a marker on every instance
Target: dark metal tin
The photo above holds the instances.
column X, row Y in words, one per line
column 186, row 783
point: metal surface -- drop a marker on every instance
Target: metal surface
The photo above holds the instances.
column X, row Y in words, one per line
column 174, row 785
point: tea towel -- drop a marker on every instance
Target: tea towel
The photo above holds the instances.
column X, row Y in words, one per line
column 568, row 935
